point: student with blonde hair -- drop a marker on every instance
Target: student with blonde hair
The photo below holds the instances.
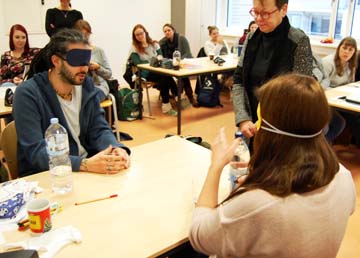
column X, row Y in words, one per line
column 216, row 45
column 281, row 209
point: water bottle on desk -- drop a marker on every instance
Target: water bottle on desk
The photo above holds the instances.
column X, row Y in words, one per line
column 176, row 59
column 241, row 154
column 57, row 143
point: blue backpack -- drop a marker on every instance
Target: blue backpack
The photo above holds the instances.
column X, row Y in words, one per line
column 209, row 93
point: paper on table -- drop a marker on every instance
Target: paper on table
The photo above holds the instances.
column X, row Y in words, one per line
column 49, row 243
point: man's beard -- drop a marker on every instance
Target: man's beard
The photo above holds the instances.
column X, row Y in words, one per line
column 68, row 77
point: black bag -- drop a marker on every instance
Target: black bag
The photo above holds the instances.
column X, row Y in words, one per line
column 128, row 75
column 209, row 93
column 9, row 97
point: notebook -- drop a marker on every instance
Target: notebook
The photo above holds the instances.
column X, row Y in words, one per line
column 353, row 98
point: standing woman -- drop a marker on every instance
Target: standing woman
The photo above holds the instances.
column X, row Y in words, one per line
column 282, row 208
column 168, row 44
column 14, row 61
column 216, row 45
column 143, row 49
column 340, row 69
column 99, row 68
column 62, row 16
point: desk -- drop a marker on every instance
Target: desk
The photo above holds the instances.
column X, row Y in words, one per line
column 341, row 91
column 153, row 211
column 191, row 67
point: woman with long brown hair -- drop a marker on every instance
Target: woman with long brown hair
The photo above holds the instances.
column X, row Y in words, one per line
column 340, row 69
column 143, row 49
column 282, row 208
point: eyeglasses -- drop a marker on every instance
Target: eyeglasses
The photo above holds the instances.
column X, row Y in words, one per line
column 139, row 34
column 262, row 14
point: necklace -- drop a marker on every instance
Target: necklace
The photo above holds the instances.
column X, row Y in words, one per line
column 66, row 96
column 65, row 13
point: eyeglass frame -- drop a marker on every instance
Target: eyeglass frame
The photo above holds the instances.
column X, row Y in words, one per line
column 263, row 14
column 139, row 34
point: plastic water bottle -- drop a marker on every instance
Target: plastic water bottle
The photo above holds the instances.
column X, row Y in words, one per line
column 241, row 154
column 57, row 143
column 176, row 59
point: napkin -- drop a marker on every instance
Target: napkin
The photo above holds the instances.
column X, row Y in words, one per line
column 50, row 243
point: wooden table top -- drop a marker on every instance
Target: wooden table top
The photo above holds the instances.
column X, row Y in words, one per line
column 153, row 211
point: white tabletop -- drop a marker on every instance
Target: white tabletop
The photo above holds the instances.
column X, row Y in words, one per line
column 153, row 211
column 336, row 96
column 196, row 66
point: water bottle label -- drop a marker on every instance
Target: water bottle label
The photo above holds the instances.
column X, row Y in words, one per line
column 57, row 144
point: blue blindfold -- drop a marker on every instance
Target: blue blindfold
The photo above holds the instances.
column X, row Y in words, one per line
column 78, row 57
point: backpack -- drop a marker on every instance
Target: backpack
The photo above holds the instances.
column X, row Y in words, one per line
column 129, row 106
column 128, row 75
column 209, row 93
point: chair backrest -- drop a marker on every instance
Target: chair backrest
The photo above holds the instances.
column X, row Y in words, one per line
column 201, row 52
column 9, row 147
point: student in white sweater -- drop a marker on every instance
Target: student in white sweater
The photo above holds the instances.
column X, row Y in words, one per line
column 216, row 45
column 296, row 200
column 340, row 69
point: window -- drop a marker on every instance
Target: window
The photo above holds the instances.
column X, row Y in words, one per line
column 317, row 18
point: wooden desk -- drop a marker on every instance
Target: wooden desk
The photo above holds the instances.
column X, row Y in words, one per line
column 334, row 94
column 192, row 67
column 153, row 211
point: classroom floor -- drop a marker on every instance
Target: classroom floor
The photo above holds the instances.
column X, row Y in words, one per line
column 206, row 122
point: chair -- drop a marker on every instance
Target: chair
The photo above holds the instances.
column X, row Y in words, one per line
column 9, row 146
column 145, row 85
column 108, row 103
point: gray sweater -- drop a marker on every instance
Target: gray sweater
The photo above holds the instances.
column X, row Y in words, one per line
column 104, row 72
column 330, row 71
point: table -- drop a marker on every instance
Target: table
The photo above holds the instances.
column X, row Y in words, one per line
column 192, row 67
column 153, row 211
column 334, row 94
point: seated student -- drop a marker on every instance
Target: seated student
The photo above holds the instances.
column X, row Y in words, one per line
column 216, row 45
column 357, row 73
column 99, row 67
column 251, row 28
column 65, row 92
column 143, row 49
column 168, row 44
column 281, row 209
column 340, row 69
column 14, row 61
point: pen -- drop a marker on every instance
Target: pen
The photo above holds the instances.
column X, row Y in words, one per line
column 95, row 200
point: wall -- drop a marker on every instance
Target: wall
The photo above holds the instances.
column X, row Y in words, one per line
column 112, row 22
column 178, row 15
column 199, row 15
